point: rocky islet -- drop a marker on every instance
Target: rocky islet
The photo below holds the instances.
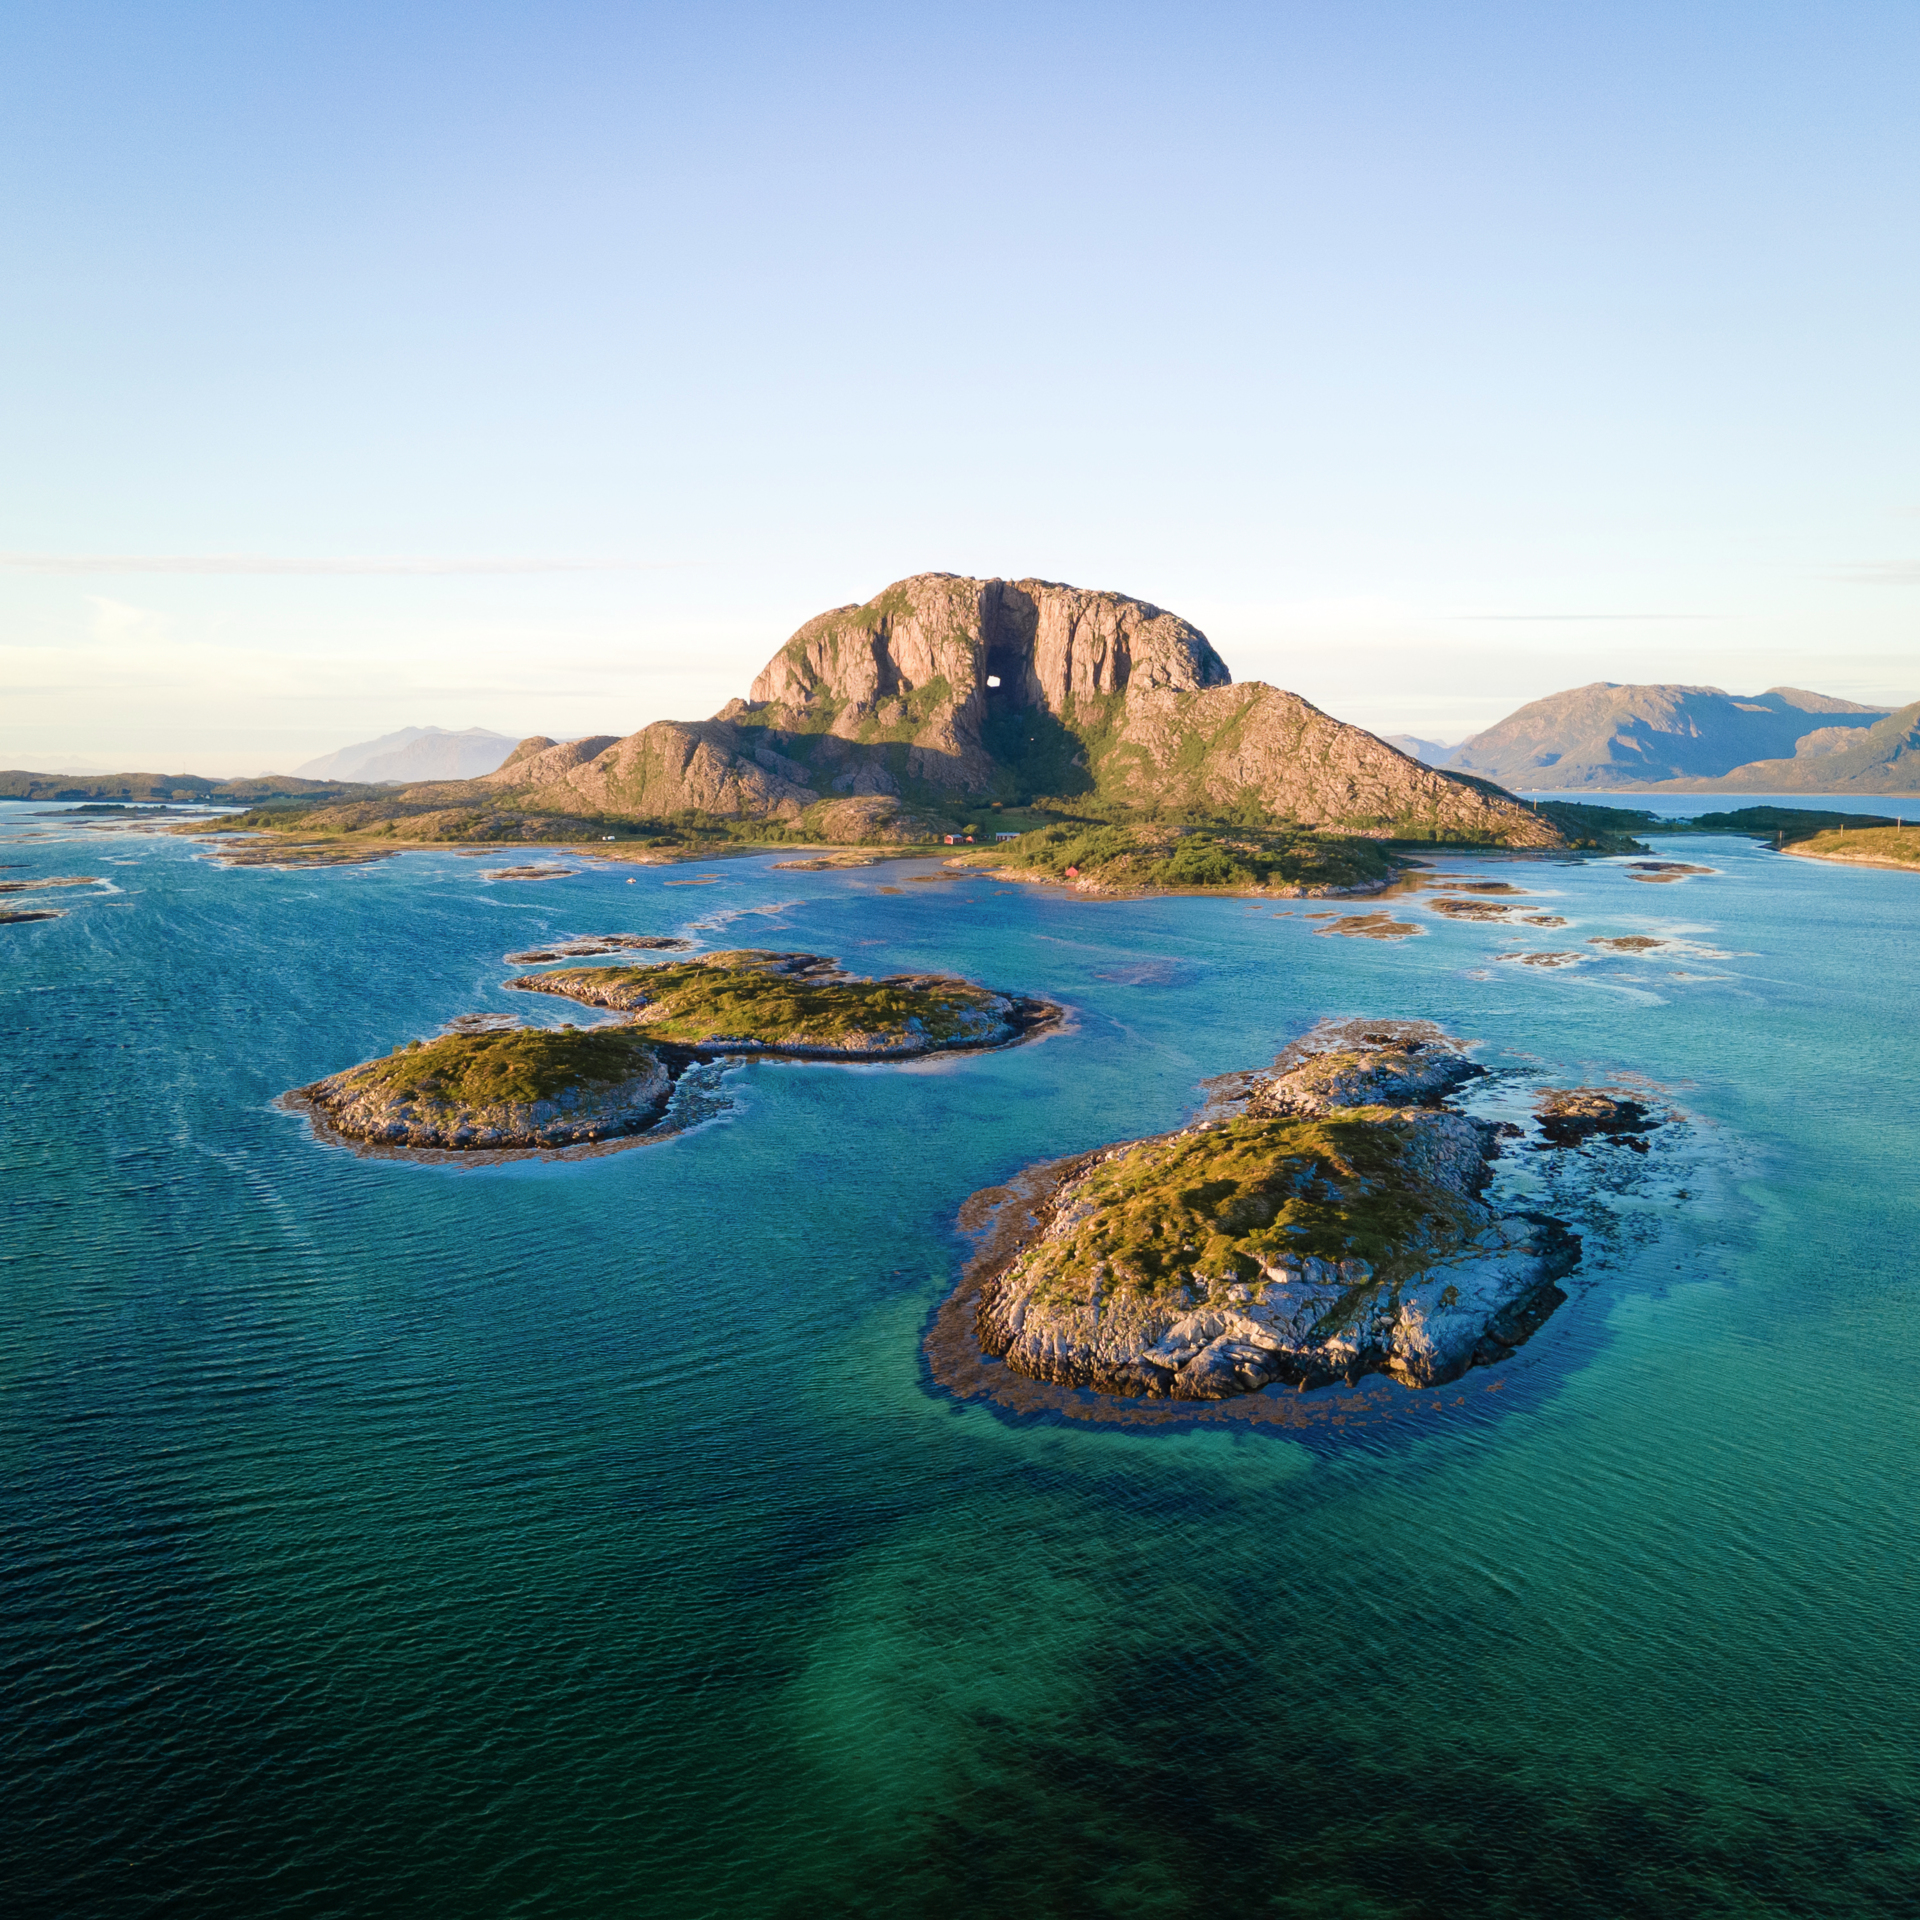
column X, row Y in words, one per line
column 1330, row 1224
column 801, row 1005
column 482, row 1086
column 591, row 946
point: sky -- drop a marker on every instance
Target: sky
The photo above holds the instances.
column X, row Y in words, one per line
column 541, row 368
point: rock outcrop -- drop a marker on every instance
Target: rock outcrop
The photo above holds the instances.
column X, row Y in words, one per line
column 946, row 691
column 1333, row 1227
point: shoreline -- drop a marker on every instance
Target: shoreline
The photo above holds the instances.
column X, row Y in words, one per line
column 1854, row 860
column 1033, row 1020
column 1481, row 1287
column 1002, row 1220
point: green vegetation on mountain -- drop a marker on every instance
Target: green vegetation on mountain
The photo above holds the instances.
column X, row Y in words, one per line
column 1156, row 857
column 1594, row 829
column 1785, row 824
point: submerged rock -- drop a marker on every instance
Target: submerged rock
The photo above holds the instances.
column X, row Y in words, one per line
column 1569, row 1116
column 1332, row 1227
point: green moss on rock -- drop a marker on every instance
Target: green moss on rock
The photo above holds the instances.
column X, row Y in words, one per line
column 1231, row 1201
column 524, row 1064
column 793, row 1002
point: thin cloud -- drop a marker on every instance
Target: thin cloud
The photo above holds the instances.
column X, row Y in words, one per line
column 1585, row 616
column 1887, row 573
column 243, row 563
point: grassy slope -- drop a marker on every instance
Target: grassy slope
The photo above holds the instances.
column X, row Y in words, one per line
column 464, row 1070
column 1898, row 846
column 1208, row 1202
column 734, row 995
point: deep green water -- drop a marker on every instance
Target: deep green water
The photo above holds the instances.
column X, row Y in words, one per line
column 590, row 1539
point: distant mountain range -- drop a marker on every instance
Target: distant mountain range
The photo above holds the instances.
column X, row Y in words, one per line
column 1616, row 737
column 1430, row 753
column 413, row 754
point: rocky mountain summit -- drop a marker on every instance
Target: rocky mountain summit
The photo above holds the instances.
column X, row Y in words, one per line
column 946, row 690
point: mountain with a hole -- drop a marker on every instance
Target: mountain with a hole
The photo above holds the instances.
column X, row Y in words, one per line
column 950, row 706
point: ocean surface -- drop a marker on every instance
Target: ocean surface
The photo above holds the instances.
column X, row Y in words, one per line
column 1690, row 806
column 590, row 1538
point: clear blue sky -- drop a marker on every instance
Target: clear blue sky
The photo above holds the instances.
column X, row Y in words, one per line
column 541, row 367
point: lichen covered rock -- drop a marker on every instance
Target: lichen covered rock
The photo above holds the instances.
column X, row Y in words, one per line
column 798, row 1005
column 524, row 1087
column 1334, row 1226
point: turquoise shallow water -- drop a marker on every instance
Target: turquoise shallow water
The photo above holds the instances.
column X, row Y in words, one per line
column 589, row 1538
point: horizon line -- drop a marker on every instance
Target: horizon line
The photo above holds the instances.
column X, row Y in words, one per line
column 240, row 563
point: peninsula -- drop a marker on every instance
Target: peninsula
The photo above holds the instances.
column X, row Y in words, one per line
column 1332, row 1226
column 1888, row 846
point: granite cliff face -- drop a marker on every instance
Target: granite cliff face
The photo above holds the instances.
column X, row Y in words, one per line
column 945, row 690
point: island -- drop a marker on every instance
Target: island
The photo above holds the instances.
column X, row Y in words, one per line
column 799, row 1005
column 483, row 1087
column 1329, row 1223
column 51, row 880
column 518, row 1088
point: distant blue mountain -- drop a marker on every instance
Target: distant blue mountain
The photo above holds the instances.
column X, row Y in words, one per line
column 415, row 753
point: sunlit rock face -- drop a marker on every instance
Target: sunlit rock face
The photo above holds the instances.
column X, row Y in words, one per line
column 944, row 690
column 1332, row 1226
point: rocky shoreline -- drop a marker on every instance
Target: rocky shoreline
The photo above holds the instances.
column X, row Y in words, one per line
column 582, row 1117
column 824, row 1012
column 490, row 1086
column 1325, row 1222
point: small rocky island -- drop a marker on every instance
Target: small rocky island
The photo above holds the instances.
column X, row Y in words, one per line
column 518, row 1088
column 1330, row 1225
column 799, row 1005
column 553, row 1087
